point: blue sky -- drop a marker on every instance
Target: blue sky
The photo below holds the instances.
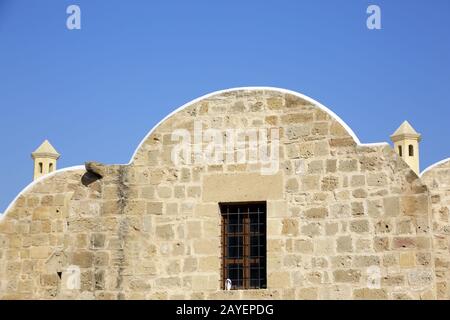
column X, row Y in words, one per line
column 96, row 92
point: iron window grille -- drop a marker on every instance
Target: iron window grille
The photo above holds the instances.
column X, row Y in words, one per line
column 244, row 259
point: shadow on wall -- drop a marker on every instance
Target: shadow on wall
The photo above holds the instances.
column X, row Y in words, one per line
column 88, row 178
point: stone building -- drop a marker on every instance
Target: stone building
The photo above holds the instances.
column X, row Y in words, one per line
column 320, row 216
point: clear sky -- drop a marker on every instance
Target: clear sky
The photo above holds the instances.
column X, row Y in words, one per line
column 96, row 92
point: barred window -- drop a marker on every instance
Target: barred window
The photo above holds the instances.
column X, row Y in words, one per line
column 244, row 245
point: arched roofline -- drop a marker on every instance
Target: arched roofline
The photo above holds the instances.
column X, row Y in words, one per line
column 35, row 182
column 285, row 91
column 209, row 95
column 434, row 165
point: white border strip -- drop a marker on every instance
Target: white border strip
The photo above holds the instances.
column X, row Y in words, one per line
column 32, row 184
column 433, row 166
column 286, row 91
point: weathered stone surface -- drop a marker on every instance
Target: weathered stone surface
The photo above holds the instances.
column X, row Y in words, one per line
column 336, row 211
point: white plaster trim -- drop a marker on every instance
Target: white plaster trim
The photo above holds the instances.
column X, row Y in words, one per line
column 32, row 184
column 286, row 91
column 374, row 144
column 433, row 166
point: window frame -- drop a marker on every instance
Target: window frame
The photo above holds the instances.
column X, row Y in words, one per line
column 245, row 259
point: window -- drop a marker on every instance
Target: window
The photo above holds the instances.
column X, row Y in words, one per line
column 41, row 167
column 244, row 245
column 411, row 150
column 400, row 153
column 50, row 167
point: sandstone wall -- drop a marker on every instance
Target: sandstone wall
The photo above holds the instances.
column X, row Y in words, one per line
column 438, row 182
column 337, row 213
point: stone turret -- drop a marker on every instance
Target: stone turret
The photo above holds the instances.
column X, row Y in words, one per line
column 45, row 159
column 406, row 143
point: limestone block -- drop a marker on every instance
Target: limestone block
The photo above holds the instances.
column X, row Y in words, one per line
column 194, row 229
column 331, row 229
column 393, row 281
column 370, row 294
column 344, row 244
column 381, row 244
column 164, row 192
column 304, row 246
column 391, row 206
column 200, row 282
column 180, row 192
column 290, row 227
column 312, row 229
column 348, row 165
column 155, row 208
column 82, row 259
column 210, row 247
column 295, row 118
column 330, row 183
column 194, row 191
column 39, row 252
column 310, row 182
column 242, row 187
column 358, row 180
column 279, row 279
column 165, row 232
column 420, row 278
column 209, row 264
column 331, row 165
column 335, row 292
column 376, row 179
column 347, row 275
column 407, row 260
column 277, row 209
column 292, row 185
column 358, row 208
column 325, row 247
column 168, row 283
column 316, row 213
column 359, row 193
column 359, row 226
column 307, row 294
column 366, row 261
column 414, row 205
column 207, row 210
column 190, row 265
